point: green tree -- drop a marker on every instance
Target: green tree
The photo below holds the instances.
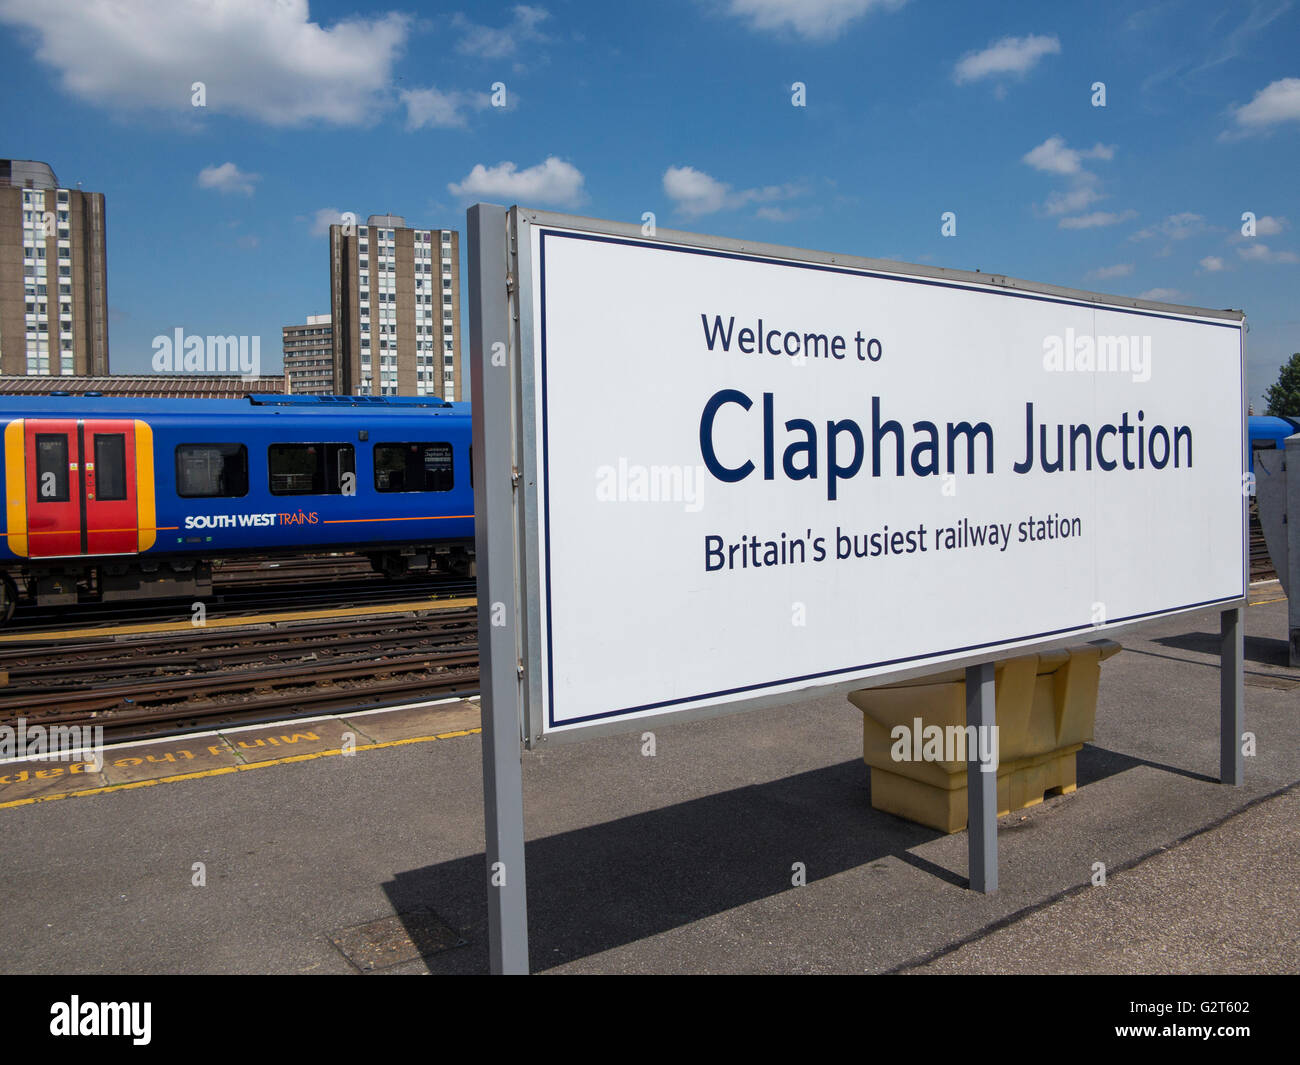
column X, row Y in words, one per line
column 1284, row 397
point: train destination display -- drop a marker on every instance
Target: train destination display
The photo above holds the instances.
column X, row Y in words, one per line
column 758, row 473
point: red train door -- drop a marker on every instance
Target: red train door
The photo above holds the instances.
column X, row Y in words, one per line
column 109, row 481
column 80, row 487
column 53, row 487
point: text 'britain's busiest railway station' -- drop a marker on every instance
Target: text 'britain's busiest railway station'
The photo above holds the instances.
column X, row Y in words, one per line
column 651, row 553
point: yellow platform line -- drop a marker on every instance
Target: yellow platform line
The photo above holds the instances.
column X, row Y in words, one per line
column 252, row 619
column 224, row 770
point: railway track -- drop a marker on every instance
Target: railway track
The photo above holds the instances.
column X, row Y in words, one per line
column 234, row 572
column 244, row 592
column 1261, row 565
column 140, row 686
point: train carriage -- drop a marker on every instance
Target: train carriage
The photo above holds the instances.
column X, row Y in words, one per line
column 113, row 498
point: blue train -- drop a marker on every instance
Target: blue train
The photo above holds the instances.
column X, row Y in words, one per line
column 115, row 498
column 1269, row 432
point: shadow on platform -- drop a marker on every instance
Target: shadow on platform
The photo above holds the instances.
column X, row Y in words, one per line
column 1261, row 650
column 600, row 887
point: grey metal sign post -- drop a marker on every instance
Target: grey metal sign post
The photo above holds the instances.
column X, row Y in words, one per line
column 981, row 787
column 491, row 348
column 1232, row 688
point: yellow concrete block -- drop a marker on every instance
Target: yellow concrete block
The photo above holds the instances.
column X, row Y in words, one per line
column 1045, row 708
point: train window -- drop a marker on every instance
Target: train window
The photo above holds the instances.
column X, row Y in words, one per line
column 211, row 470
column 311, row 469
column 52, row 467
column 110, row 466
column 413, row 468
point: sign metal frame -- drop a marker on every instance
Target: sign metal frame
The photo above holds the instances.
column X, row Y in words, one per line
column 521, row 222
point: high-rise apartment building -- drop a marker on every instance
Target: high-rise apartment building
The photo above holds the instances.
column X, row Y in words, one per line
column 395, row 309
column 309, row 358
column 53, row 284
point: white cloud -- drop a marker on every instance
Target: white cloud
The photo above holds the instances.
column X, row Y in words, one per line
column 1104, row 273
column 262, row 61
column 1175, row 227
column 326, row 217
column 814, row 20
column 440, row 110
column 776, row 214
column 1163, row 295
column 1265, row 226
column 1084, row 194
column 1261, row 253
column 488, row 42
column 1212, row 264
column 1097, row 218
column 695, row 193
column 551, row 182
column 1276, row 102
column 1011, row 55
column 227, row 178
column 1053, row 157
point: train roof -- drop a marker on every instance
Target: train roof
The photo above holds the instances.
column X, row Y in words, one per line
column 1268, row 427
column 261, row 403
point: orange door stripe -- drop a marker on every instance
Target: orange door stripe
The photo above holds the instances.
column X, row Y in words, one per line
column 145, row 512
column 16, row 488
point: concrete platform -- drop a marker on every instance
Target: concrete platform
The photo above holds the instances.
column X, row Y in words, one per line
column 682, row 862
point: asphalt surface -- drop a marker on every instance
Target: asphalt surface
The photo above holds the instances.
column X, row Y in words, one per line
column 682, row 862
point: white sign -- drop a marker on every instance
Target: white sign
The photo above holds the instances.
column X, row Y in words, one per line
column 761, row 475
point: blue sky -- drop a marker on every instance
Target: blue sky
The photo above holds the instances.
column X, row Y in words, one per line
column 683, row 108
